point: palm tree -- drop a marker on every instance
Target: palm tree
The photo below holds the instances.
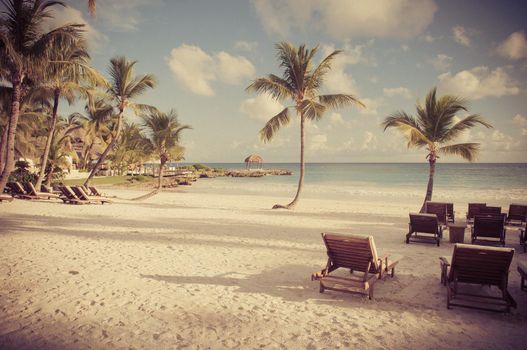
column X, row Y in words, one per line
column 301, row 83
column 124, row 87
column 22, row 48
column 95, row 125
column 434, row 128
column 92, row 7
column 61, row 150
column 162, row 134
column 62, row 77
column 129, row 150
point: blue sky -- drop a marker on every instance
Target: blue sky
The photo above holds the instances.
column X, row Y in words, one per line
column 204, row 54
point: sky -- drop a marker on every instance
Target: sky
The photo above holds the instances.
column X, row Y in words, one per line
column 205, row 53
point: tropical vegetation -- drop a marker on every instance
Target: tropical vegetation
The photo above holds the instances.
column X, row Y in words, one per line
column 435, row 128
column 301, row 82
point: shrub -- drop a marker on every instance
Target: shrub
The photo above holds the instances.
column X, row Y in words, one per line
column 201, row 167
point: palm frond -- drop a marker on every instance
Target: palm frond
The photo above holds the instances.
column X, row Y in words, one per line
column 339, row 100
column 92, row 7
column 312, row 110
column 315, row 80
column 274, row 124
column 464, row 124
column 409, row 127
column 275, row 86
column 468, row 151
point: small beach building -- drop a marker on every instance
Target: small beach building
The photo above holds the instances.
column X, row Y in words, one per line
column 253, row 160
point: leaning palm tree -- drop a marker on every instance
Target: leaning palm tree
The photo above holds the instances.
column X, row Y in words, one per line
column 124, row 87
column 23, row 45
column 435, row 128
column 162, row 135
column 300, row 82
column 63, row 77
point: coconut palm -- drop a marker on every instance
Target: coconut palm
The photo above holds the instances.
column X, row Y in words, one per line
column 162, row 135
column 61, row 152
column 92, row 7
column 95, row 126
column 62, row 77
column 301, row 82
column 23, row 45
column 124, row 87
column 129, row 151
column 435, row 128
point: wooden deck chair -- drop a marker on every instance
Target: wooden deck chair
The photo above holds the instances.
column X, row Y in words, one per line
column 5, row 197
column 79, row 191
column 490, row 210
column 359, row 255
column 477, row 265
column 424, row 223
column 17, row 191
column 522, row 269
column 95, row 191
column 30, row 188
column 517, row 214
column 440, row 209
column 489, row 228
column 473, row 209
column 68, row 196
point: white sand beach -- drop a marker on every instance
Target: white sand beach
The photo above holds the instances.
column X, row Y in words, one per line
column 196, row 269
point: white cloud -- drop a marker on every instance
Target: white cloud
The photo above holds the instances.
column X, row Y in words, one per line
column 503, row 142
column 514, row 47
column 479, row 82
column 345, row 19
column 249, row 46
column 428, row 38
column 441, row 62
column 405, row 48
column 196, row 69
column 371, row 106
column 519, row 120
column 317, row 142
column 262, row 107
column 461, row 35
column 67, row 15
column 124, row 16
column 369, row 141
column 398, row 91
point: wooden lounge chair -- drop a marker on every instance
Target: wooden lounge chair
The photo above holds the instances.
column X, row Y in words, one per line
column 68, row 196
column 5, row 197
column 517, row 214
column 79, row 191
column 489, row 228
column 440, row 209
column 522, row 269
column 95, row 191
column 477, row 265
column 486, row 210
column 359, row 255
column 32, row 191
column 424, row 223
column 473, row 209
column 18, row 191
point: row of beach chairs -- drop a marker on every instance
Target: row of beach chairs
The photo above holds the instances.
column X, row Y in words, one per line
column 488, row 224
column 68, row 194
column 469, row 265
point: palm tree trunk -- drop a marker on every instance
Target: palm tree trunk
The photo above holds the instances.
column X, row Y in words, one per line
column 53, row 126
column 12, row 125
column 108, row 148
column 302, row 169
column 430, row 187
column 3, row 147
column 163, row 160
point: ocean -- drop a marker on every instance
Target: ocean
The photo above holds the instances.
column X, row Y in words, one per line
column 496, row 183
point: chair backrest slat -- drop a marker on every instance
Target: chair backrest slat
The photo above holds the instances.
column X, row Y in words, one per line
column 424, row 223
column 351, row 251
column 489, row 225
column 474, row 208
column 517, row 212
column 490, row 210
column 440, row 209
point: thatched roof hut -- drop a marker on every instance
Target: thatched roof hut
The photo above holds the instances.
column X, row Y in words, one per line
column 253, row 159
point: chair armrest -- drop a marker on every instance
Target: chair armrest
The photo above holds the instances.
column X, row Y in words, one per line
column 444, row 269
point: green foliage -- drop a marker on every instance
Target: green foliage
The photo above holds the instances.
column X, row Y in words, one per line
column 22, row 173
column 137, row 178
column 21, row 165
column 201, row 167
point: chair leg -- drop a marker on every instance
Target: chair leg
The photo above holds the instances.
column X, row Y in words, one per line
column 370, row 294
column 321, row 290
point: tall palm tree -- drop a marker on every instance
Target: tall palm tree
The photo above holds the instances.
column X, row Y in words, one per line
column 124, row 87
column 61, row 150
column 435, row 128
column 95, row 125
column 62, row 77
column 23, row 45
column 300, row 82
column 162, row 135
column 129, row 150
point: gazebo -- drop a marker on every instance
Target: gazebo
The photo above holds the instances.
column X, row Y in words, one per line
column 253, row 159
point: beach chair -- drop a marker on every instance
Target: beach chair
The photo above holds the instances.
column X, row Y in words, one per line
column 95, row 191
column 523, row 239
column 522, row 269
column 359, row 255
column 440, row 209
column 478, row 265
column 68, row 196
column 79, row 191
column 517, row 214
column 473, row 209
column 18, row 191
column 5, row 197
column 427, row 224
column 490, row 210
column 32, row 191
column 489, row 228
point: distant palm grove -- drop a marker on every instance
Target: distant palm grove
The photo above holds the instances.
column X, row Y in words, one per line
column 40, row 70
